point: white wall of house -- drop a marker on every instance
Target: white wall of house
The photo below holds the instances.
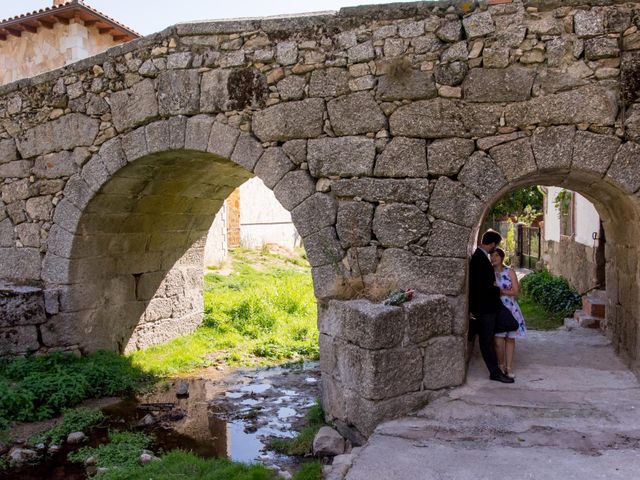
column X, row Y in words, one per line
column 551, row 215
column 216, row 248
column 34, row 53
column 262, row 220
column 587, row 219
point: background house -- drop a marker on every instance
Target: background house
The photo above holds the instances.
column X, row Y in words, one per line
column 574, row 240
column 55, row 36
column 251, row 217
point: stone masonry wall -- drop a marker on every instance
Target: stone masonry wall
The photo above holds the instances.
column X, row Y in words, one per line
column 574, row 261
column 387, row 131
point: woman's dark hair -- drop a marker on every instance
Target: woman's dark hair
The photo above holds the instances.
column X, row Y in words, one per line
column 500, row 252
column 491, row 236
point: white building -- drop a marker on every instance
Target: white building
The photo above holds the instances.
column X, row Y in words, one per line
column 573, row 239
column 49, row 38
column 251, row 217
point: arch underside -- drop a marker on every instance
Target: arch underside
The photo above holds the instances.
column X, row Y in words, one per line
column 620, row 215
column 136, row 266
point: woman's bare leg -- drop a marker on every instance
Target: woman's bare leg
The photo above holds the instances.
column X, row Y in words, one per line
column 500, row 351
column 509, row 350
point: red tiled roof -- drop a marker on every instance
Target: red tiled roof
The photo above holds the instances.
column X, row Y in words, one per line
column 46, row 17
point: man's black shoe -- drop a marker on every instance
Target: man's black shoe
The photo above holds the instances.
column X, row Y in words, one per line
column 501, row 377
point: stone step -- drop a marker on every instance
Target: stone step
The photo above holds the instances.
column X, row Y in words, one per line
column 570, row 324
column 594, row 306
column 584, row 320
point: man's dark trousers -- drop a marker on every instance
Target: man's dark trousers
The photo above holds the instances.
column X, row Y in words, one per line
column 488, row 324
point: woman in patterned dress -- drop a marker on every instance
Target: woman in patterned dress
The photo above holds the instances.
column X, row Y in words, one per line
column 507, row 281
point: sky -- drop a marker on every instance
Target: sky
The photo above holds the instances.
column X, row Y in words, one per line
column 149, row 16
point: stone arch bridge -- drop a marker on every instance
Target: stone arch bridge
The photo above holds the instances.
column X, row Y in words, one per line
column 387, row 131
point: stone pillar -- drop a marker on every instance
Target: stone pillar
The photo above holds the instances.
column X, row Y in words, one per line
column 379, row 362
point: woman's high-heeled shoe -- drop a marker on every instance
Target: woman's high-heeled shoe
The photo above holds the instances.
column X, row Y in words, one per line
column 509, row 373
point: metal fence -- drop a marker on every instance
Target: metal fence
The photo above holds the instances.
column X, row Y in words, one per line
column 528, row 246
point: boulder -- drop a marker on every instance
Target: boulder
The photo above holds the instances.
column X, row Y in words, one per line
column 75, row 438
column 328, row 442
column 21, row 456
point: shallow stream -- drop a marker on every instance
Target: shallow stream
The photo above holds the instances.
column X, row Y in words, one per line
column 226, row 415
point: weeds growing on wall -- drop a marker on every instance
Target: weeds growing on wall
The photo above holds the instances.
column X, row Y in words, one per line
column 263, row 312
column 40, row 387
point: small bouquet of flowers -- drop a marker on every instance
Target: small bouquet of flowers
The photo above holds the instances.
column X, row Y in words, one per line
column 399, row 297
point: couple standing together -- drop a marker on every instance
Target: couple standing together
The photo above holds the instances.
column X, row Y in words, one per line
column 493, row 288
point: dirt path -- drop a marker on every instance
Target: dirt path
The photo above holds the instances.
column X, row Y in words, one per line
column 573, row 413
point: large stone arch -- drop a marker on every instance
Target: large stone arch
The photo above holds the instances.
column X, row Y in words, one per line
column 127, row 238
column 386, row 130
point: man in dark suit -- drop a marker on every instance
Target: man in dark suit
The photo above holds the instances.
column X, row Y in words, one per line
column 491, row 316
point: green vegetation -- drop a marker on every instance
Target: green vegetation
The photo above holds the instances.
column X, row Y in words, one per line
column 536, row 317
column 185, row 465
column 78, row 420
column 122, row 451
column 40, row 387
column 301, row 444
column 525, row 203
column 309, row 471
column 262, row 313
column 546, row 300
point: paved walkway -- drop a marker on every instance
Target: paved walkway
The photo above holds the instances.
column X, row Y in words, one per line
column 573, row 413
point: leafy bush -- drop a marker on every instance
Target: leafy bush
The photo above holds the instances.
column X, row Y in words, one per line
column 77, row 420
column 123, row 450
column 552, row 292
column 40, row 387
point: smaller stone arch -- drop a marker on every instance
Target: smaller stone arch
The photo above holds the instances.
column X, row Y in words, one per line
column 601, row 167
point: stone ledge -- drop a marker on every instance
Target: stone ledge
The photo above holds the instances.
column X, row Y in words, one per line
column 21, row 305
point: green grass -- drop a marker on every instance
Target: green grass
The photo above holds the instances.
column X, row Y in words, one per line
column 78, row 420
column 536, row 317
column 122, row 451
column 309, row 471
column 179, row 465
column 301, row 444
column 263, row 313
column 40, row 387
